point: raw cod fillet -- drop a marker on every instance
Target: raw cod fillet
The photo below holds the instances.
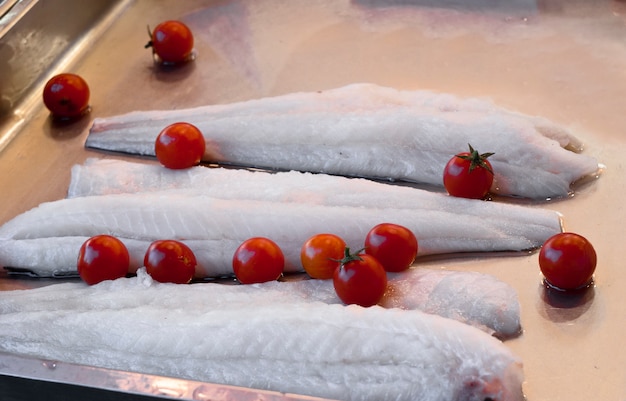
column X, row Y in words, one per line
column 480, row 300
column 215, row 227
column 107, row 177
column 477, row 299
column 366, row 130
column 225, row 334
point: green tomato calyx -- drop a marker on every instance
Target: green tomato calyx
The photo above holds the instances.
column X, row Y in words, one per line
column 477, row 159
column 349, row 257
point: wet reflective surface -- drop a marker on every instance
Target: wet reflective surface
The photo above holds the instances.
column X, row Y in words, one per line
column 564, row 60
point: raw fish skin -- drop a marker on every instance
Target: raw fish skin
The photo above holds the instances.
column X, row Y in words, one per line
column 214, row 227
column 366, row 130
column 216, row 333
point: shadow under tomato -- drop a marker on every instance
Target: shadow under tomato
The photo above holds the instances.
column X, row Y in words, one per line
column 67, row 128
column 564, row 306
column 172, row 72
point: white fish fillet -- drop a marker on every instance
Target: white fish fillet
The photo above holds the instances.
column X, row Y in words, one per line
column 217, row 333
column 214, row 227
column 478, row 299
column 106, row 177
column 370, row 131
column 473, row 298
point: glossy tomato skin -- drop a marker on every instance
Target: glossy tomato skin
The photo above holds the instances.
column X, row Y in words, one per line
column 258, row 260
column 567, row 261
column 172, row 41
column 179, row 146
column 102, row 257
column 170, row 261
column 321, row 255
column 468, row 175
column 393, row 245
column 66, row 96
column 362, row 281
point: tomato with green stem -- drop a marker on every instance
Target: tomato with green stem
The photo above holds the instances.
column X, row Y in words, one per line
column 567, row 261
column 170, row 261
column 393, row 245
column 180, row 145
column 102, row 257
column 258, row 260
column 468, row 174
column 172, row 41
column 320, row 255
column 66, row 96
column 360, row 279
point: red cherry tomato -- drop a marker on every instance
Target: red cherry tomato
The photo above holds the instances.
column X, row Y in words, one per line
column 468, row 175
column 321, row 254
column 179, row 146
column 172, row 41
column 66, row 96
column 394, row 246
column 170, row 261
column 567, row 261
column 360, row 279
column 101, row 258
column 258, row 260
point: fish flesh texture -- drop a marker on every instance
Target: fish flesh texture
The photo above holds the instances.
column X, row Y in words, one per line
column 365, row 130
column 218, row 333
column 106, row 177
column 214, row 227
column 470, row 297
column 222, row 334
column 477, row 299
column 370, row 131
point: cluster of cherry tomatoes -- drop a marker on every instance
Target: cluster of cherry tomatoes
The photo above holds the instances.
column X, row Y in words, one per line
column 359, row 278
column 104, row 257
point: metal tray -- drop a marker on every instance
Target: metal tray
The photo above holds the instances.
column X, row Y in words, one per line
column 562, row 59
column 26, row 379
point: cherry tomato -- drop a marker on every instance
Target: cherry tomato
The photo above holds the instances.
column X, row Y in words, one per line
column 394, row 246
column 101, row 258
column 468, row 175
column 567, row 261
column 66, row 96
column 360, row 279
column 179, row 146
column 170, row 261
column 321, row 254
column 258, row 260
column 172, row 41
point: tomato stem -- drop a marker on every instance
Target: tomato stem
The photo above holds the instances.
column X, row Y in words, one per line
column 349, row 257
column 477, row 159
column 149, row 44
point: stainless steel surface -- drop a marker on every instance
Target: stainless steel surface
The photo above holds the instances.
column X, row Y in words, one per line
column 25, row 379
column 37, row 36
column 564, row 60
